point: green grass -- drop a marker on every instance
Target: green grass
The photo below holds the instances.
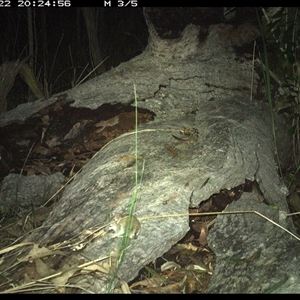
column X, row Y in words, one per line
column 125, row 239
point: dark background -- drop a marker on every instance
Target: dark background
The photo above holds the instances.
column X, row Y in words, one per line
column 61, row 45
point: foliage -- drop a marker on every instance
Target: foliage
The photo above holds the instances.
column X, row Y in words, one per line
column 282, row 41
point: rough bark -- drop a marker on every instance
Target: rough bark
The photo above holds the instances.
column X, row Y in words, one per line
column 206, row 130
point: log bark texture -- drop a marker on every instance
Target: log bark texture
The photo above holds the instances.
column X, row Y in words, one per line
column 208, row 134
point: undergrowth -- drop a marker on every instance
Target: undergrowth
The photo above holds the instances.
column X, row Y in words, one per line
column 281, row 43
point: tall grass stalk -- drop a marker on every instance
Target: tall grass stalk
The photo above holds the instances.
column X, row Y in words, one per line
column 125, row 240
column 266, row 72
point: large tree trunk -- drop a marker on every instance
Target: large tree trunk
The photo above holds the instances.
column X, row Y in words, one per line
column 90, row 18
column 207, row 135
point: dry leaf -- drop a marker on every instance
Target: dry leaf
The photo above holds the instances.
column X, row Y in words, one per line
column 169, row 265
column 101, row 267
column 203, row 235
column 125, row 288
column 42, row 268
column 38, row 252
column 107, row 123
column 62, row 279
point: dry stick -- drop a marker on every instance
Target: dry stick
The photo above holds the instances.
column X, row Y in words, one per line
column 20, row 175
column 226, row 213
column 47, row 286
column 2, row 251
column 92, row 71
column 26, row 159
column 252, row 71
column 58, row 191
column 293, row 214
